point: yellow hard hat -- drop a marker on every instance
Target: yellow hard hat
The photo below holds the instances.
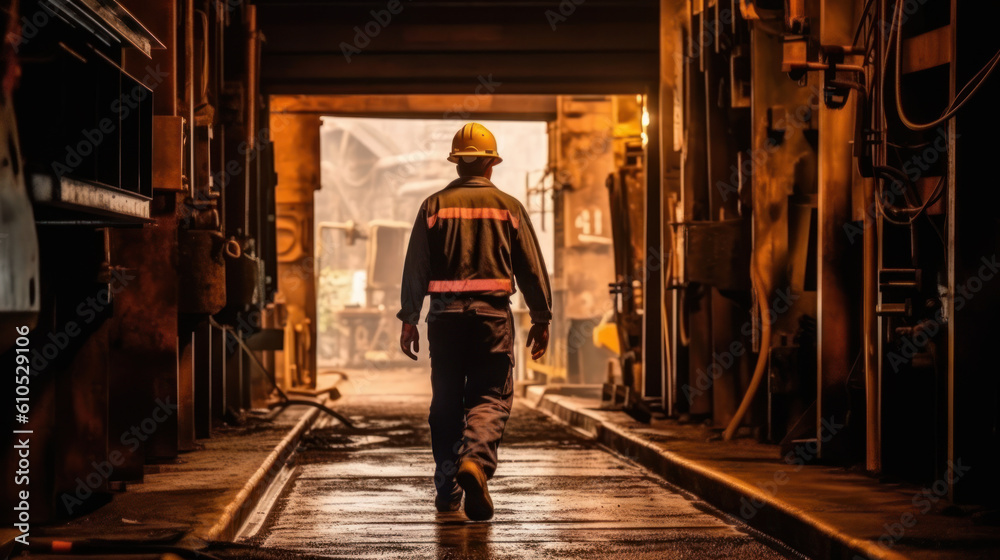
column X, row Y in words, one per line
column 474, row 140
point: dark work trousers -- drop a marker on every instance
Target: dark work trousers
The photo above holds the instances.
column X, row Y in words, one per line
column 472, row 358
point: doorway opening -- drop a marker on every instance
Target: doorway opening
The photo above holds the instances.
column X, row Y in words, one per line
column 375, row 173
column 353, row 171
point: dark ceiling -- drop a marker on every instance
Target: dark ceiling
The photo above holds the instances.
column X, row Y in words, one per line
column 454, row 47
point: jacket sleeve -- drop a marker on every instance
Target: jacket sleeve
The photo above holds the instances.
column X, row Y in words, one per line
column 530, row 272
column 416, row 271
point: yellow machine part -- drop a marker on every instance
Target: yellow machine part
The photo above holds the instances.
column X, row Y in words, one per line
column 606, row 335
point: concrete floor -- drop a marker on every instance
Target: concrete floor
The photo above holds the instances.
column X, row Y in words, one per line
column 557, row 495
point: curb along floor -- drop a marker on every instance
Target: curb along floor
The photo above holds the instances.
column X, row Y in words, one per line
column 204, row 494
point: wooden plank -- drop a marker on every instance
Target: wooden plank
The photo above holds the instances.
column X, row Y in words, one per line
column 927, row 50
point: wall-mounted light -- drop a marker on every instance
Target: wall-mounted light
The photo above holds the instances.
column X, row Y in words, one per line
column 641, row 99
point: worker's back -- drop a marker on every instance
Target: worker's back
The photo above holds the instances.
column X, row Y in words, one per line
column 472, row 228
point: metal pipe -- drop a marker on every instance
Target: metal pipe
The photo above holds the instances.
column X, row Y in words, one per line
column 873, row 429
column 872, row 262
column 189, row 90
column 205, row 48
column 253, row 63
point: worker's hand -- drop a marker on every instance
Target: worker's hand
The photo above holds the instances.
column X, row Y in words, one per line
column 538, row 339
column 409, row 336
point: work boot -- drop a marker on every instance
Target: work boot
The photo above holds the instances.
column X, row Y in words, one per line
column 449, row 501
column 472, row 479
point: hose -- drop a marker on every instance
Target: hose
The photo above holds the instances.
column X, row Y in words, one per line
column 306, row 402
column 682, row 328
column 765, row 346
column 243, row 345
column 666, row 347
column 285, row 400
column 668, row 354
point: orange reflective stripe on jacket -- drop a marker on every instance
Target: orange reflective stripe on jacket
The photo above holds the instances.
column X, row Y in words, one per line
column 472, row 214
column 474, row 285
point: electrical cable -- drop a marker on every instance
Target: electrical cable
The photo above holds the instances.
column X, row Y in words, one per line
column 897, row 174
column 936, row 195
column 908, row 146
column 890, row 214
column 864, row 19
column 940, row 234
column 847, row 382
column 918, row 211
column 957, row 104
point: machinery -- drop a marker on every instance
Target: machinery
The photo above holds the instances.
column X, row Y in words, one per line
column 137, row 234
column 358, row 324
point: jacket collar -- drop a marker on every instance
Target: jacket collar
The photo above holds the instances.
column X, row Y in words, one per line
column 471, row 182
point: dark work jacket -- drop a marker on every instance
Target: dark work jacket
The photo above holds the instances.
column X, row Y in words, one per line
column 472, row 239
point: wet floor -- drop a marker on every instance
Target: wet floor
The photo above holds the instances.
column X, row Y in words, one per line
column 557, row 495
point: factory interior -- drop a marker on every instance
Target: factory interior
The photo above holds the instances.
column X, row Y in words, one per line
column 769, row 228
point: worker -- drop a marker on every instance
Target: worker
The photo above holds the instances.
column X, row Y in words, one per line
column 469, row 243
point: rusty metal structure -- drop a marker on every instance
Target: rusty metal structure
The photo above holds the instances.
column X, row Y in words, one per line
column 784, row 207
column 152, row 189
column 819, row 281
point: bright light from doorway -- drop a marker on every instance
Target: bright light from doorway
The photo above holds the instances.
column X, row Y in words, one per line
column 375, row 174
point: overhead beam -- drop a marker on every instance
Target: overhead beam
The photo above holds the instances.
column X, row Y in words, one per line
column 325, row 47
column 410, row 70
column 491, row 107
column 459, row 86
column 321, row 35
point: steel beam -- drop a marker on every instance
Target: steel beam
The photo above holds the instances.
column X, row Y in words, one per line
column 836, row 339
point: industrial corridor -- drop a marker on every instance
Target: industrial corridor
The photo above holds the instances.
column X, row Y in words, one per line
column 699, row 279
column 365, row 495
